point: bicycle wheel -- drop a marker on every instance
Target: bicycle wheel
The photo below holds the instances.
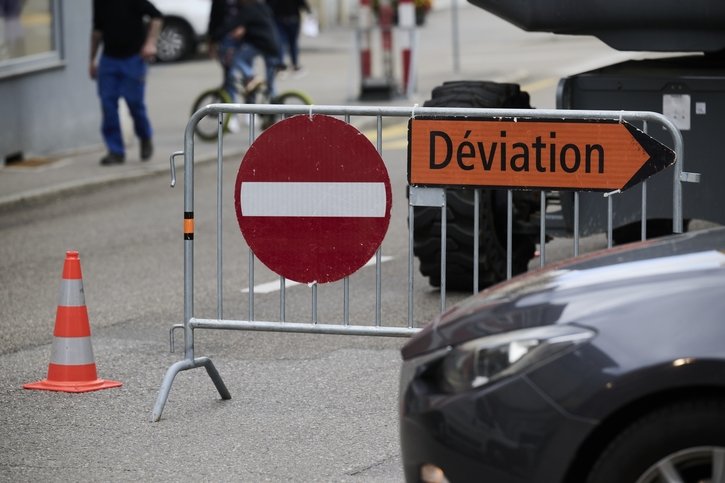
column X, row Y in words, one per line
column 207, row 127
column 287, row 97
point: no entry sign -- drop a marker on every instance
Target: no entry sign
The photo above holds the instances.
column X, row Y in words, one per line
column 313, row 199
column 532, row 153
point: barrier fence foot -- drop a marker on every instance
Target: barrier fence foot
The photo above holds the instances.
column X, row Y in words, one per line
column 184, row 365
column 215, row 377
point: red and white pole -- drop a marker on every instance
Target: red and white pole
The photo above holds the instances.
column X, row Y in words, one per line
column 406, row 21
column 364, row 26
column 385, row 15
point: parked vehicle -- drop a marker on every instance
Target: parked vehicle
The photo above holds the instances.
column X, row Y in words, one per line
column 185, row 24
column 688, row 89
column 609, row 367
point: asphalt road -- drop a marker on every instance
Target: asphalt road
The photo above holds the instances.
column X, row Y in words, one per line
column 303, row 407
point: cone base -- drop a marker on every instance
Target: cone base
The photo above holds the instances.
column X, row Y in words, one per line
column 72, row 386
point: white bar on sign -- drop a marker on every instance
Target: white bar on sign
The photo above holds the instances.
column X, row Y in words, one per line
column 347, row 200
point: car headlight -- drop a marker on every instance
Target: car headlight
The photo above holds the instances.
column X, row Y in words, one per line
column 481, row 361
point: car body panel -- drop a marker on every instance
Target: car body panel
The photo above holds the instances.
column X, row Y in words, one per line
column 508, row 305
column 657, row 308
column 193, row 12
column 495, row 432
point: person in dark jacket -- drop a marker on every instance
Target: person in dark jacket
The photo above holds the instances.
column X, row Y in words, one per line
column 128, row 44
column 245, row 31
column 287, row 18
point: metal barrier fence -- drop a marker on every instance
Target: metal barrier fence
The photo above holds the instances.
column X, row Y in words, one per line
column 434, row 197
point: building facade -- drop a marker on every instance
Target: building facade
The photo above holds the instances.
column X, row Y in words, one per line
column 47, row 99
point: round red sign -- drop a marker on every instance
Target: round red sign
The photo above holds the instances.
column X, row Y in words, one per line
column 313, row 198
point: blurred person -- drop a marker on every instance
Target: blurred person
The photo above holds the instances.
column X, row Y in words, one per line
column 221, row 10
column 241, row 30
column 128, row 44
column 287, row 17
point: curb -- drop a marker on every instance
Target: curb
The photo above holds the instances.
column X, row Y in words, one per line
column 35, row 196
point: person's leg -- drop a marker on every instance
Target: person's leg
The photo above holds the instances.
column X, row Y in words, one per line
column 109, row 92
column 293, row 34
column 244, row 60
column 224, row 54
column 271, row 64
column 237, row 67
column 283, row 39
column 133, row 90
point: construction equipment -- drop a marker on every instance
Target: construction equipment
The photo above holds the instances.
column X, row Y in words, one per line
column 687, row 87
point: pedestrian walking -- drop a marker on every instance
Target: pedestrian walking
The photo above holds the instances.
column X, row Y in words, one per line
column 287, row 17
column 127, row 44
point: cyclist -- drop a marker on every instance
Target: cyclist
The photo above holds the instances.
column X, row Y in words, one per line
column 246, row 31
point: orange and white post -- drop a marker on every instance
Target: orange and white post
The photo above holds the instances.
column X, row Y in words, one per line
column 365, row 22
column 407, row 23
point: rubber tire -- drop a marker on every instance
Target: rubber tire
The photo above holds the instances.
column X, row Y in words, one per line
column 665, row 431
column 287, row 97
column 206, row 128
column 176, row 41
column 460, row 208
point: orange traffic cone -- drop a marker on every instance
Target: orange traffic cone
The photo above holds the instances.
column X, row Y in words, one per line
column 72, row 367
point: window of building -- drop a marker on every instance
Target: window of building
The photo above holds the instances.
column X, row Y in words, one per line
column 29, row 35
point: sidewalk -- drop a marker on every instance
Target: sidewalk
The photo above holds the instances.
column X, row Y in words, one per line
column 327, row 78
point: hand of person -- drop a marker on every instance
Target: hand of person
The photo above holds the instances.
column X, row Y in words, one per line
column 213, row 50
column 148, row 51
column 238, row 33
column 93, row 70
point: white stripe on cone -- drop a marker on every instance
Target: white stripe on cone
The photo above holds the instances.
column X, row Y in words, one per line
column 71, row 293
column 346, row 200
column 72, row 351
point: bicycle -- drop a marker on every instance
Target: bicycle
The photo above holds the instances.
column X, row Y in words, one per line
column 206, row 128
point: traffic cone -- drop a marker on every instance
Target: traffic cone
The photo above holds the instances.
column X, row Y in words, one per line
column 72, row 367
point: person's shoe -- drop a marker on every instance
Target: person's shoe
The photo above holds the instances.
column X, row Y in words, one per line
column 253, row 84
column 233, row 124
column 147, row 149
column 299, row 71
column 111, row 159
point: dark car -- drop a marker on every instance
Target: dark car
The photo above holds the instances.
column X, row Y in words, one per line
column 608, row 368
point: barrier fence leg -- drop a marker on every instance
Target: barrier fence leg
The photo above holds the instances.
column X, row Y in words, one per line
column 215, row 377
column 184, row 365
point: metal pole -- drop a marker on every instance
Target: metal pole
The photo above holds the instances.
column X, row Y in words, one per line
column 219, row 201
column 455, row 31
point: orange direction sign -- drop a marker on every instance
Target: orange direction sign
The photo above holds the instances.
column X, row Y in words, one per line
column 588, row 155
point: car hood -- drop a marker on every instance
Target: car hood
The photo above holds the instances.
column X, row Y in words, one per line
column 575, row 289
